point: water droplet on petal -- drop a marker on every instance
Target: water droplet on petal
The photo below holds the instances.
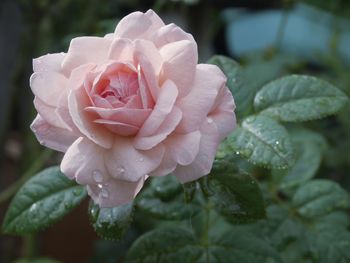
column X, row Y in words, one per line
column 120, row 170
column 97, row 175
column 210, row 120
column 104, row 193
column 100, row 186
column 141, row 159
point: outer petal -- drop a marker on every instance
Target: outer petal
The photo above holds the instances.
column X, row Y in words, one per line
column 179, row 149
column 124, row 162
column 135, row 117
column 223, row 113
column 49, row 62
column 138, row 25
column 168, row 34
column 122, row 49
column 204, row 160
column 84, row 162
column 116, row 192
column 168, row 126
column 199, row 102
column 52, row 137
column 86, row 50
column 84, row 121
column 48, row 86
column 49, row 114
column 180, row 60
column 163, row 107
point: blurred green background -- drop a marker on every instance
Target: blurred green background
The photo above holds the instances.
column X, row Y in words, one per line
column 270, row 38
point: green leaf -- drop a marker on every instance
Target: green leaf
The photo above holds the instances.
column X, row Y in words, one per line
column 236, row 196
column 164, row 200
column 178, row 244
column 111, row 223
column 299, row 98
column 236, row 83
column 320, row 197
column 308, row 147
column 190, row 190
column 262, row 141
column 165, row 244
column 42, row 200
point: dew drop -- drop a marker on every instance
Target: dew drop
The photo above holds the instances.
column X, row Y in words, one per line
column 100, row 186
column 97, row 175
column 210, row 120
column 237, row 152
column 120, row 170
column 141, row 159
column 104, row 193
column 32, row 208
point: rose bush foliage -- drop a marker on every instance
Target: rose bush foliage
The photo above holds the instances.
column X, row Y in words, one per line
column 129, row 105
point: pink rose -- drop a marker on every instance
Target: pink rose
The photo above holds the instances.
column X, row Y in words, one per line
column 130, row 105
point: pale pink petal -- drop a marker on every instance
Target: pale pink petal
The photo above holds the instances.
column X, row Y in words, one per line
column 52, row 137
column 183, row 147
column 198, row 103
column 203, row 162
column 84, row 162
column 77, row 102
column 115, row 192
column 138, row 25
column 164, row 105
column 49, row 62
column 179, row 64
column 179, row 149
column 84, row 50
column 48, row 86
column 118, row 127
column 124, row 162
column 223, row 113
column 146, row 49
column 167, row 127
column 49, row 114
column 122, row 49
column 168, row 34
column 135, row 117
column 148, row 77
column 79, row 74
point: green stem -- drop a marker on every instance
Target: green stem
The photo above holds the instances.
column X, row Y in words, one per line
column 205, row 237
column 29, row 246
column 36, row 166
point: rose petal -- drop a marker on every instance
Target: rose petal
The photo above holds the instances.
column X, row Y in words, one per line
column 168, row 34
column 223, row 113
column 167, row 126
column 203, row 162
column 180, row 60
column 49, row 62
column 84, row 50
column 49, row 114
column 164, row 105
column 84, row 162
column 198, row 103
column 138, row 25
column 124, row 162
column 122, row 50
column 77, row 102
column 52, row 137
column 150, row 52
column 115, row 192
column 118, row 127
column 135, row 117
column 179, row 149
column 48, row 86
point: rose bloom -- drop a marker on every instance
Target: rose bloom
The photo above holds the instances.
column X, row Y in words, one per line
column 130, row 105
